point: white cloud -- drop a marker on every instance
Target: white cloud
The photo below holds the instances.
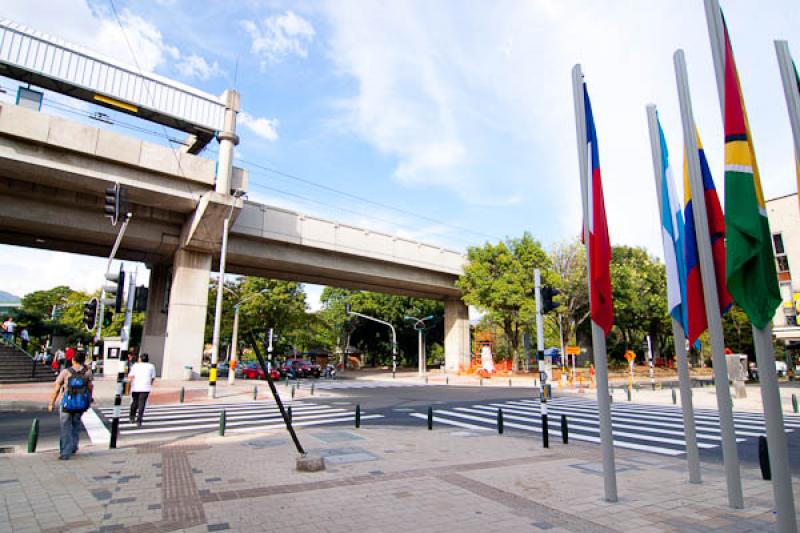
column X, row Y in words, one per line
column 479, row 101
column 194, row 66
column 263, row 127
column 279, row 36
column 95, row 28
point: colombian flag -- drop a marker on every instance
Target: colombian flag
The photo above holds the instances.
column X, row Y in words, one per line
column 695, row 302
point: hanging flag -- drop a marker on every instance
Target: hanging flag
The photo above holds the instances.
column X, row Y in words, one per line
column 673, row 235
column 697, row 321
column 602, row 307
column 752, row 278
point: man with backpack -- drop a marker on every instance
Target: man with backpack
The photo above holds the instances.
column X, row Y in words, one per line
column 75, row 386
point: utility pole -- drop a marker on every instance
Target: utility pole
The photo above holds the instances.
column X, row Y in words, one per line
column 537, row 274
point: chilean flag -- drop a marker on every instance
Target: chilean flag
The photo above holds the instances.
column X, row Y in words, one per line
column 602, row 307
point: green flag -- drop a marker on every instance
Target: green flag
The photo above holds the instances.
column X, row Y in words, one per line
column 752, row 279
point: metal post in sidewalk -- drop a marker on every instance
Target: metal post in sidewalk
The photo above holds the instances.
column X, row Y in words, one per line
column 598, row 334
column 730, row 453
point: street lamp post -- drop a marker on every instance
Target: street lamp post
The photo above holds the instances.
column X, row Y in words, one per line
column 379, row 321
column 212, row 372
column 235, row 333
column 419, row 325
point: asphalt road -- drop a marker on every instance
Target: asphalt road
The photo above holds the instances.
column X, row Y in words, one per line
column 16, row 425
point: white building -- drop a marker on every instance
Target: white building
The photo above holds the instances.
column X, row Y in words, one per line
column 784, row 222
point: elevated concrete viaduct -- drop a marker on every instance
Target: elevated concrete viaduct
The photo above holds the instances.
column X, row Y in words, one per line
column 53, row 174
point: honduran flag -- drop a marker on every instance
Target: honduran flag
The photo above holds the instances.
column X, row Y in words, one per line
column 673, row 233
column 697, row 321
column 602, row 307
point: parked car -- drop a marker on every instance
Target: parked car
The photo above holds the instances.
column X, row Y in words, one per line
column 299, row 368
column 254, row 371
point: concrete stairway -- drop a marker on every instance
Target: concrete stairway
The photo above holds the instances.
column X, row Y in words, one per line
column 17, row 367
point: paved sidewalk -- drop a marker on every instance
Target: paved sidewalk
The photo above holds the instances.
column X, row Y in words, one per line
column 377, row 479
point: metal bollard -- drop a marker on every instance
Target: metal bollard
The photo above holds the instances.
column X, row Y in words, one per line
column 481, row 382
column 447, row 380
column 763, row 458
column 287, row 381
column 292, row 391
column 289, row 414
column 564, row 430
column 674, row 397
column 628, row 390
column 500, row 421
column 312, row 389
column 222, row 423
column 611, row 397
column 509, row 382
column 33, row 436
column 358, row 416
column 545, row 427
column 426, row 380
column 794, row 403
column 430, row 418
column 181, row 395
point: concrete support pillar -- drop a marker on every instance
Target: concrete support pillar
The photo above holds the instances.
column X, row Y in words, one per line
column 227, row 141
column 155, row 318
column 186, row 318
column 457, row 347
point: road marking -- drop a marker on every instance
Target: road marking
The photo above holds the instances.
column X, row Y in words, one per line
column 98, row 433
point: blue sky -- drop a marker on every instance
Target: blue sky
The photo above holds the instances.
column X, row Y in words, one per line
column 458, row 111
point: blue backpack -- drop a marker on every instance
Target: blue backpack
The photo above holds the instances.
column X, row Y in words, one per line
column 76, row 396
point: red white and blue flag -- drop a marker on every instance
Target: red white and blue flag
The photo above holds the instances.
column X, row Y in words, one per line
column 602, row 307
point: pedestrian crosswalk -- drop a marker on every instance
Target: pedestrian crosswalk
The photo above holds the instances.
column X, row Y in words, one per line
column 651, row 428
column 239, row 417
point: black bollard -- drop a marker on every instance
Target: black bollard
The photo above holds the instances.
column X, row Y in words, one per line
column 358, row 416
column 794, row 403
column 500, row 421
column 447, row 380
column 763, row 458
column 481, row 382
column 545, row 427
column 564, row 430
column 33, row 436
column 312, row 389
column 222, row 423
column 674, row 397
column 628, row 390
column 292, row 391
column 426, row 380
column 181, row 395
column 255, row 392
column 430, row 418
column 509, row 382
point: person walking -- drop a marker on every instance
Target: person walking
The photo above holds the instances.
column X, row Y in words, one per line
column 25, row 338
column 8, row 329
column 75, row 386
column 142, row 375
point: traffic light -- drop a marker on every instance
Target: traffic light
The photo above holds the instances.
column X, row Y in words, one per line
column 140, row 299
column 90, row 314
column 548, row 299
column 108, row 318
column 114, row 290
column 116, row 203
column 111, row 207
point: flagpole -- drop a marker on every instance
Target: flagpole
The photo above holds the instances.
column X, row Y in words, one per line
column 692, row 453
column 730, row 453
column 717, row 40
column 792, row 93
column 598, row 335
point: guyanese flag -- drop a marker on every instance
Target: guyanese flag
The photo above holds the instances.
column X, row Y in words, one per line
column 752, row 279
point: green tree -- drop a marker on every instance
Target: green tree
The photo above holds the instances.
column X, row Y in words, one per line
column 499, row 280
column 639, row 288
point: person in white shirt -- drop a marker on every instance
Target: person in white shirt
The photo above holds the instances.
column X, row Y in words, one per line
column 142, row 375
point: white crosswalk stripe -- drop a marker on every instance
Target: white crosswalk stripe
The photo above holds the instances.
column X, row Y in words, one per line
column 358, row 384
column 657, row 429
column 239, row 417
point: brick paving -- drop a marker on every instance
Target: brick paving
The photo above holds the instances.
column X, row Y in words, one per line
column 377, row 479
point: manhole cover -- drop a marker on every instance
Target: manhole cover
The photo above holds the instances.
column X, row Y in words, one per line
column 336, row 436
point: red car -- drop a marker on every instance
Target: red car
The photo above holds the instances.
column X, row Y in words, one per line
column 255, row 371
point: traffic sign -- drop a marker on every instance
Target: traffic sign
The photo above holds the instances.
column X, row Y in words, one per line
column 573, row 350
column 630, row 356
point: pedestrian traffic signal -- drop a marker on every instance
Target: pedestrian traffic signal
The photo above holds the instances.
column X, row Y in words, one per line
column 549, row 302
column 90, row 314
column 114, row 290
column 108, row 318
column 140, row 299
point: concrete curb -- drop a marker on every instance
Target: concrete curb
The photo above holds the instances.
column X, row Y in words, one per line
column 22, row 405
